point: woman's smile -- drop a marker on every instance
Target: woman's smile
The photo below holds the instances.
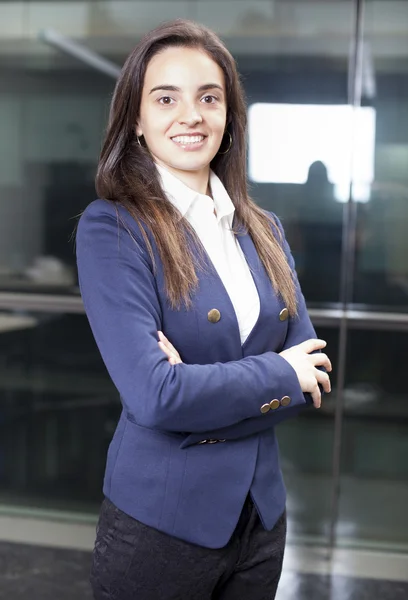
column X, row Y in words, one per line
column 190, row 142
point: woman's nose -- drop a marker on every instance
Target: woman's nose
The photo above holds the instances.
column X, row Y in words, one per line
column 190, row 116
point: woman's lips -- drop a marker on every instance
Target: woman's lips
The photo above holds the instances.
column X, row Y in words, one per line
column 189, row 142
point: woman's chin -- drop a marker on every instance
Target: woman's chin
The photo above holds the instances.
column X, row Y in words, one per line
column 187, row 165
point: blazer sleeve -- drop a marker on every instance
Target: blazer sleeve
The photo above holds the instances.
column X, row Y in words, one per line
column 300, row 329
column 119, row 292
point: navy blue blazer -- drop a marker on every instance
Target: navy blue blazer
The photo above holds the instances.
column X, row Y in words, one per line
column 163, row 466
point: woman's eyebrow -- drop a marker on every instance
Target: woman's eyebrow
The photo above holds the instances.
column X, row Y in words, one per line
column 173, row 88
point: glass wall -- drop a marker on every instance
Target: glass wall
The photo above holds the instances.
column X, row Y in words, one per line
column 52, row 116
column 327, row 152
column 58, row 412
column 374, row 471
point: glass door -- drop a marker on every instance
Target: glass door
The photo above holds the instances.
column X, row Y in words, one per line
column 373, row 470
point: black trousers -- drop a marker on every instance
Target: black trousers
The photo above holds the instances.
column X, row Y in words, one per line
column 132, row 561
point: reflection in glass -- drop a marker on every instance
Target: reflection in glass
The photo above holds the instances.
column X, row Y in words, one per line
column 52, row 122
column 381, row 275
column 58, row 411
column 286, row 139
column 374, row 485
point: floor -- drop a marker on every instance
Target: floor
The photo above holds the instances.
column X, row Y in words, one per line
column 30, row 572
column 44, row 557
column 33, row 573
column 295, row 586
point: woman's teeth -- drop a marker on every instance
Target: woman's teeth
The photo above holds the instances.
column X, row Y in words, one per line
column 188, row 139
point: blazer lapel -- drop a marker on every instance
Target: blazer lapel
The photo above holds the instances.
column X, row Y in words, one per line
column 269, row 303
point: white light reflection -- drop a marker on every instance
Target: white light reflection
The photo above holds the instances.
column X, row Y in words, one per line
column 285, row 139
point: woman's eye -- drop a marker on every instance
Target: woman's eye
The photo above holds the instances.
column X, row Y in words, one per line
column 165, row 100
column 210, row 99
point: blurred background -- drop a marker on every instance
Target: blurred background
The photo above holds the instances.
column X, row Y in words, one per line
column 327, row 91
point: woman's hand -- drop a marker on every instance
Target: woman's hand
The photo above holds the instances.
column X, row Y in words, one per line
column 299, row 357
column 305, row 363
column 168, row 349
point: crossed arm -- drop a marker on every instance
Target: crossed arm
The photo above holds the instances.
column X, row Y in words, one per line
column 302, row 357
column 302, row 350
column 119, row 294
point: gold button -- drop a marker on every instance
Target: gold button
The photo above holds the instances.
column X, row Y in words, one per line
column 283, row 315
column 265, row 408
column 286, row 400
column 274, row 404
column 214, row 315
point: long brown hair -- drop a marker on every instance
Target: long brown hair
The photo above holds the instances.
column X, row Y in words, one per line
column 127, row 174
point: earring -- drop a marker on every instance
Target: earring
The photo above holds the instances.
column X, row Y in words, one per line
column 230, row 144
column 138, row 141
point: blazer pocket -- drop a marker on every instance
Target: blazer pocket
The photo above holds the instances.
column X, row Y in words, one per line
column 148, row 474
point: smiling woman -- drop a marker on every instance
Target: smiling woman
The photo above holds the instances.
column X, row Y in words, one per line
column 191, row 294
column 183, row 115
column 188, row 57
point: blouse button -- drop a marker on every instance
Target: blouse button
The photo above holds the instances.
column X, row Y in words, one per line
column 214, row 315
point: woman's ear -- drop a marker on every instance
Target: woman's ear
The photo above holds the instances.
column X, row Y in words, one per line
column 138, row 130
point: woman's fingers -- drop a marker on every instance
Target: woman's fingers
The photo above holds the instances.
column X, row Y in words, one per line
column 312, row 345
column 324, row 380
column 165, row 349
column 169, row 349
column 321, row 360
column 174, row 359
column 172, row 348
column 316, row 396
column 167, row 343
column 305, row 358
column 163, row 339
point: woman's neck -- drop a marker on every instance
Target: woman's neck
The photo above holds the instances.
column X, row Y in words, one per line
column 199, row 181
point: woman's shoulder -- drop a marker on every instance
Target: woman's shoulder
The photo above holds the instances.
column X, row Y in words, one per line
column 274, row 217
column 99, row 207
column 107, row 213
column 276, row 225
column 108, row 224
column 104, row 209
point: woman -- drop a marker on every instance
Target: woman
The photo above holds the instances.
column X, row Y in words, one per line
column 191, row 295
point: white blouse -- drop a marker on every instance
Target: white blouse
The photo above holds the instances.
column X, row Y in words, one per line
column 221, row 245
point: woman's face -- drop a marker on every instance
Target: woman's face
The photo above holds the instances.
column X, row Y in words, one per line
column 183, row 109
